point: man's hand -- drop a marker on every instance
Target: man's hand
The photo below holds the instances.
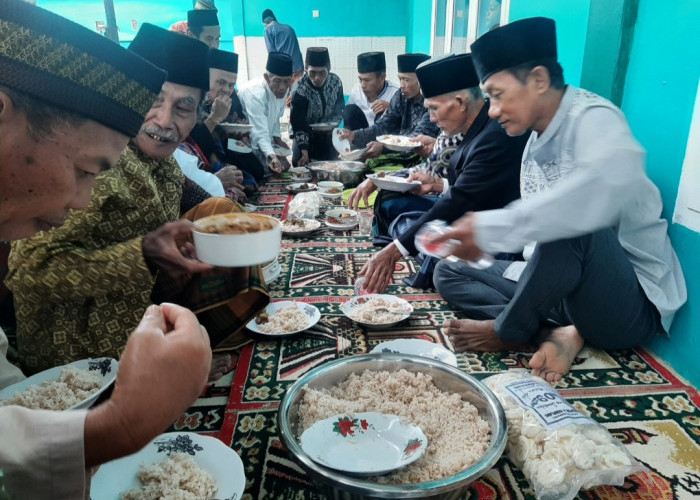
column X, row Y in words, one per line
column 219, row 111
column 347, row 134
column 230, row 176
column 304, row 160
column 380, row 268
column 428, row 183
column 361, row 192
column 274, row 164
column 462, row 230
column 162, row 371
column 426, row 147
column 168, row 250
column 379, row 106
column 374, row 149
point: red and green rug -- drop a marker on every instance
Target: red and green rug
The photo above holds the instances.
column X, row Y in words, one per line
column 632, row 393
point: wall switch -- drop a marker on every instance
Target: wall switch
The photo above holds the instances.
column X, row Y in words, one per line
column 315, row 13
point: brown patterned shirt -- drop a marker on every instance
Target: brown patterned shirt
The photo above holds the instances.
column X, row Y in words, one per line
column 80, row 289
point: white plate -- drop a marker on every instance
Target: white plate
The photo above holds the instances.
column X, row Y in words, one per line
column 323, row 126
column 310, row 225
column 280, row 151
column 106, row 368
column 310, row 311
column 272, row 271
column 353, row 155
column 238, row 146
column 405, row 143
column 295, row 187
column 417, row 347
column 341, row 227
column 222, row 462
column 336, row 214
column 236, row 127
column 393, row 183
column 352, row 304
column 365, row 444
column 342, row 146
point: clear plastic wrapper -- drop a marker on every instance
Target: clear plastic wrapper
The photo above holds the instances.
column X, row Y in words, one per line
column 305, row 205
column 559, row 449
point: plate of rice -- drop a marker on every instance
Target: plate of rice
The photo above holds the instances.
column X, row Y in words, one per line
column 398, row 142
column 68, row 387
column 377, row 310
column 179, row 465
column 287, row 317
column 297, row 227
column 417, row 347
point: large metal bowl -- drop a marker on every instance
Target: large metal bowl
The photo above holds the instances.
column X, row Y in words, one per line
column 340, row 486
column 350, row 173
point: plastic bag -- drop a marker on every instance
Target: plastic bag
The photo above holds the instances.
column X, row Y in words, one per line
column 305, row 205
column 559, row 449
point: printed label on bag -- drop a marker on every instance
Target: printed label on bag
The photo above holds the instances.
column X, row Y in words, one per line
column 550, row 409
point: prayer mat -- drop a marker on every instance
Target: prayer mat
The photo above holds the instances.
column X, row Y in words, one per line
column 632, row 393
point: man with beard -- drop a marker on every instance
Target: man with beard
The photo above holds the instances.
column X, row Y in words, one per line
column 79, row 290
column 317, row 99
column 53, row 145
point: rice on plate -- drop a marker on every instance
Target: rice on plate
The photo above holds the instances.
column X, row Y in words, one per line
column 285, row 318
column 377, row 310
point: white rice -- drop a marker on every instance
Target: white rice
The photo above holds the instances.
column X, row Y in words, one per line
column 367, row 312
column 285, row 320
column 71, row 387
column 176, row 478
column 457, row 435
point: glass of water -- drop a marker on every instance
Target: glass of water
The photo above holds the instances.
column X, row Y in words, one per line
column 365, row 222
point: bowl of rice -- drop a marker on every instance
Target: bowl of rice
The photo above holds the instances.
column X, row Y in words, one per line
column 463, row 421
column 237, row 239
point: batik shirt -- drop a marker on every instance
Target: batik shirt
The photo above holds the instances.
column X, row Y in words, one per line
column 438, row 163
column 315, row 105
column 81, row 289
column 405, row 117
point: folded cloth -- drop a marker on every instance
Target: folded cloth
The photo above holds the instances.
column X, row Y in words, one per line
column 224, row 299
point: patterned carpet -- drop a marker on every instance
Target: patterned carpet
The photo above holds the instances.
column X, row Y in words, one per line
column 640, row 400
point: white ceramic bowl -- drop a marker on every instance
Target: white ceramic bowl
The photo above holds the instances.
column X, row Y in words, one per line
column 240, row 249
column 325, row 186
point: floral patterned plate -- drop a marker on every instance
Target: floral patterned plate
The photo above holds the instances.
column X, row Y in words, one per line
column 364, row 444
column 106, row 368
column 220, row 461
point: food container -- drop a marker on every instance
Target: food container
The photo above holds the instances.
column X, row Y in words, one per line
column 338, row 485
column 350, row 173
column 332, row 187
column 256, row 239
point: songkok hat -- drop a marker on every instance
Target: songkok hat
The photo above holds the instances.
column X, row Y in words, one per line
column 220, row 59
column 268, row 13
column 408, row 63
column 53, row 59
column 279, row 63
column 445, row 74
column 317, row 56
column 514, row 44
column 371, row 62
column 183, row 57
column 202, row 18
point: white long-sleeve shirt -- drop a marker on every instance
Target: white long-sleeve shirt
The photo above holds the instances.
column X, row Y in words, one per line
column 586, row 172
column 358, row 98
column 189, row 164
column 41, row 452
column 264, row 111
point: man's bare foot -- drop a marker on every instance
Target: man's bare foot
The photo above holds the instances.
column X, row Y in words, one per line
column 221, row 364
column 473, row 335
column 556, row 353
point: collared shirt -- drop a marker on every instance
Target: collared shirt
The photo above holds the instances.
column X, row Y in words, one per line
column 81, row 289
column 315, row 105
column 405, row 117
column 264, row 111
column 358, row 98
column 282, row 38
column 584, row 173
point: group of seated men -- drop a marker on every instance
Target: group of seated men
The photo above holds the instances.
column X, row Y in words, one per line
column 526, row 160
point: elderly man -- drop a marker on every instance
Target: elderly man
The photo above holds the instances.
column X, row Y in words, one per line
column 317, row 99
column 371, row 96
column 263, row 102
column 603, row 270
column 483, row 172
column 78, row 289
column 406, row 114
column 282, row 38
column 204, row 26
column 54, row 144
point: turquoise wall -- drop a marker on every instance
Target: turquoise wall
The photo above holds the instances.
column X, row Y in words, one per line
column 418, row 39
column 571, row 17
column 660, row 90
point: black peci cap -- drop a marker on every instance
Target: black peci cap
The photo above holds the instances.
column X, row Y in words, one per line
column 200, row 18
column 371, row 62
column 220, row 59
column 445, row 74
column 408, row 63
column 317, row 56
column 279, row 63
